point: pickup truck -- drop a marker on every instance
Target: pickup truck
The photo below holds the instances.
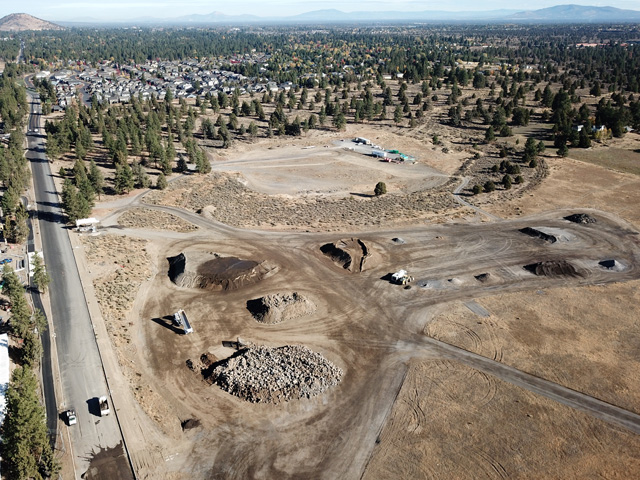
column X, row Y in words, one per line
column 71, row 417
column 104, row 406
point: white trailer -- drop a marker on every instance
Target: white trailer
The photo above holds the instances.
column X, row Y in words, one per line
column 380, row 153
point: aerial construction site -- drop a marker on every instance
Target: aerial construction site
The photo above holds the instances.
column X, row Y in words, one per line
column 361, row 352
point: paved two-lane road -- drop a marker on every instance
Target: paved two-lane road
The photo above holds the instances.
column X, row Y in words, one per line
column 82, row 375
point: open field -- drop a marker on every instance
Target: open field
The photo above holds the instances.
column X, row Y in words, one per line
column 451, row 421
column 619, row 159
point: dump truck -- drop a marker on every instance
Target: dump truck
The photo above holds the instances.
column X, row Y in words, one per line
column 70, row 416
column 180, row 320
column 104, row 406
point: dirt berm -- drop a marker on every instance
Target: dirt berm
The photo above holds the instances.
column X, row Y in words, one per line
column 556, row 268
column 351, row 254
column 276, row 308
column 213, row 272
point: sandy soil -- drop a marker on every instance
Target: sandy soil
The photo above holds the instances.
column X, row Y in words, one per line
column 584, row 338
column 451, row 421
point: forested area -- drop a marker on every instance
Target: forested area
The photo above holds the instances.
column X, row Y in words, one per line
column 492, row 78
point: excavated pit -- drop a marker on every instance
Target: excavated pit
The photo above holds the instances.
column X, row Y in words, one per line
column 261, row 374
column 210, row 271
column 277, row 308
column 556, row 268
column 352, row 254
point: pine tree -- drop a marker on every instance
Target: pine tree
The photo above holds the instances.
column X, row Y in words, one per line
column 161, row 183
column 124, row 180
column 27, row 450
column 96, row 178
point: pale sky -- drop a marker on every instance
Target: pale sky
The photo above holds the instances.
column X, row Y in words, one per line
column 70, row 10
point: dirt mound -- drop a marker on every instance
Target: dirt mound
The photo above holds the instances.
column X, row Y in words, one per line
column 534, row 232
column 190, row 424
column 580, row 218
column 263, row 374
column 483, row 277
column 612, row 264
column 276, row 308
column 214, row 272
column 351, row 254
column 556, row 268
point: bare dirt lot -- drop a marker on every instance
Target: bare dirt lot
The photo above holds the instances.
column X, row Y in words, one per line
column 451, row 421
column 490, row 398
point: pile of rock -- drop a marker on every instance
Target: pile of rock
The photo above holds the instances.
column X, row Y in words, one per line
column 581, row 218
column 261, row 374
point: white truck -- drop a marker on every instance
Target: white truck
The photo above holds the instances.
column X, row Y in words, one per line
column 104, row 406
column 70, row 415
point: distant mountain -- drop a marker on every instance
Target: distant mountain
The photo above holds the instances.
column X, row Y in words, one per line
column 557, row 14
column 394, row 16
column 215, row 17
column 577, row 14
column 20, row 22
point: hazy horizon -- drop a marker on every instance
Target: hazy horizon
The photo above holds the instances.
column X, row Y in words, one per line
column 123, row 10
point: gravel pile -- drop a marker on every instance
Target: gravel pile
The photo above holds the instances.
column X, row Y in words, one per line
column 263, row 374
column 276, row 308
column 581, row 218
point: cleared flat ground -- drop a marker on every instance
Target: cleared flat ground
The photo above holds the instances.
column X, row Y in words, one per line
column 297, row 170
column 451, row 421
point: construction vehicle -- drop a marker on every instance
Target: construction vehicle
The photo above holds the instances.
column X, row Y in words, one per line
column 104, row 406
column 70, row 416
column 401, row 278
column 180, row 319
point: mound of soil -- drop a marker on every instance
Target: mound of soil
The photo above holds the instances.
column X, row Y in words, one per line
column 483, row 277
column 580, row 218
column 214, row 272
column 276, row 308
column 613, row 265
column 263, row 374
column 533, row 232
column 351, row 254
column 190, row 424
column 557, row 268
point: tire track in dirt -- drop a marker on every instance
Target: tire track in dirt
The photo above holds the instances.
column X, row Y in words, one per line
column 580, row 401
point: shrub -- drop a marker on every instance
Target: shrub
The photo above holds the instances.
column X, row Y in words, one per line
column 381, row 189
